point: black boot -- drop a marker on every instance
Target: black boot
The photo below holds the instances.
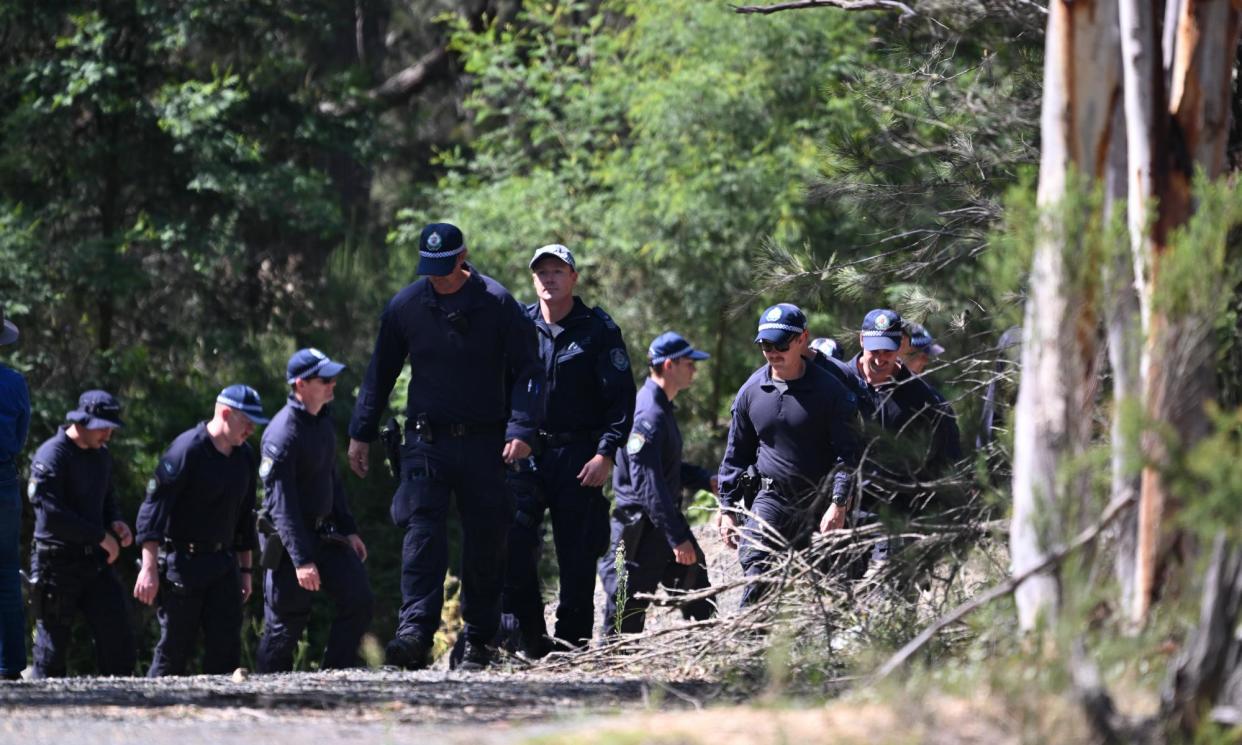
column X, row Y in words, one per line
column 407, row 653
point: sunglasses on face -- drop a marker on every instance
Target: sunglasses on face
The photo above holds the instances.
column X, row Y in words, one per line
column 770, row 346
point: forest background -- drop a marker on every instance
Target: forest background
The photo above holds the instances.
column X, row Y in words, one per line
column 190, row 191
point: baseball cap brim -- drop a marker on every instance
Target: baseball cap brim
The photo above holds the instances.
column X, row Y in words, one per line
column 9, row 333
column 325, row 369
column 438, row 266
column 688, row 353
column 881, row 343
column 254, row 417
column 776, row 336
column 935, row 350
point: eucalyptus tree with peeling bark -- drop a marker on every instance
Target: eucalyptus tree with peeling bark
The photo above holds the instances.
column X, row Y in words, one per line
column 1059, row 352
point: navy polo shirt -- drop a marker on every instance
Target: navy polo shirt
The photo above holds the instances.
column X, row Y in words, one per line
column 72, row 492
column 589, row 384
column 794, row 432
column 14, row 413
column 301, row 481
column 200, row 495
column 649, row 469
column 462, row 349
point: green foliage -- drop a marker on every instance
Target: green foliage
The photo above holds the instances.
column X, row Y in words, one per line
column 663, row 142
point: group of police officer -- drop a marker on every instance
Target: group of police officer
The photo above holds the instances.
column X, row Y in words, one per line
column 518, row 413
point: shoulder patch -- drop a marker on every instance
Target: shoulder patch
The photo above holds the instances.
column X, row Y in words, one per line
column 619, row 359
column 603, row 316
column 166, row 471
column 635, row 443
column 39, row 468
column 31, row 489
column 265, row 467
column 151, row 485
column 645, row 425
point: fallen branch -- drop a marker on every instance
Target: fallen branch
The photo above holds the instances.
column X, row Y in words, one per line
column 906, row 10
column 1111, row 512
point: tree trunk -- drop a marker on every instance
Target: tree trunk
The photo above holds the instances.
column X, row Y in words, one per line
column 1125, row 343
column 1178, row 355
column 1081, row 85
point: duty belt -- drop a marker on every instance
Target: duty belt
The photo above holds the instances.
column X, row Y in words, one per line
column 194, row 548
column 56, row 549
column 560, row 439
column 429, row 431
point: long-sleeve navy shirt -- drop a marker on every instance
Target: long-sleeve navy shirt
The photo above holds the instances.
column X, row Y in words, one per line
column 649, row 468
column 907, row 407
column 14, row 414
column 589, row 384
column 301, row 481
column 200, row 495
column 72, row 493
column 462, row 348
column 794, row 436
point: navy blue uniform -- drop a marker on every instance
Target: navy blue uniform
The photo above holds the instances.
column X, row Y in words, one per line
column 304, row 498
column 648, row 520
column 908, row 411
column 14, row 425
column 589, row 410
column 74, row 501
column 476, row 381
column 200, row 508
column 794, row 433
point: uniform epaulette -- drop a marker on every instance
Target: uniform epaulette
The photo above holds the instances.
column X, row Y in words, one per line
column 603, row 316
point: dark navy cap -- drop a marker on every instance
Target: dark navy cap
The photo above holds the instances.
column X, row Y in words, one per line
column 827, row 346
column 922, row 341
column 96, row 410
column 8, row 332
column 671, row 346
column 780, row 323
column 553, row 249
column 438, row 247
column 245, row 399
column 311, row 363
column 881, row 330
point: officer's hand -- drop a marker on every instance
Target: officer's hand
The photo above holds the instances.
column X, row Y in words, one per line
column 833, row 519
column 308, row 577
column 247, row 585
column 727, row 524
column 515, row 450
column 595, row 472
column 359, row 457
column 110, row 546
column 683, row 553
column 360, row 548
column 148, row 585
column 122, row 531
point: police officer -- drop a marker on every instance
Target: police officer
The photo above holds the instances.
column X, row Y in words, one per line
column 78, row 535
column 14, row 425
column 589, row 409
column 473, row 404
column 899, row 403
column 199, row 510
column 793, row 423
column 310, row 540
column 648, row 521
column 822, row 346
column 918, row 348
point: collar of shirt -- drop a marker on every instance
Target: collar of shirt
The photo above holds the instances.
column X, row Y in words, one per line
column 471, row 290
column 769, row 383
column 657, row 394
column 299, row 407
column 578, row 313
